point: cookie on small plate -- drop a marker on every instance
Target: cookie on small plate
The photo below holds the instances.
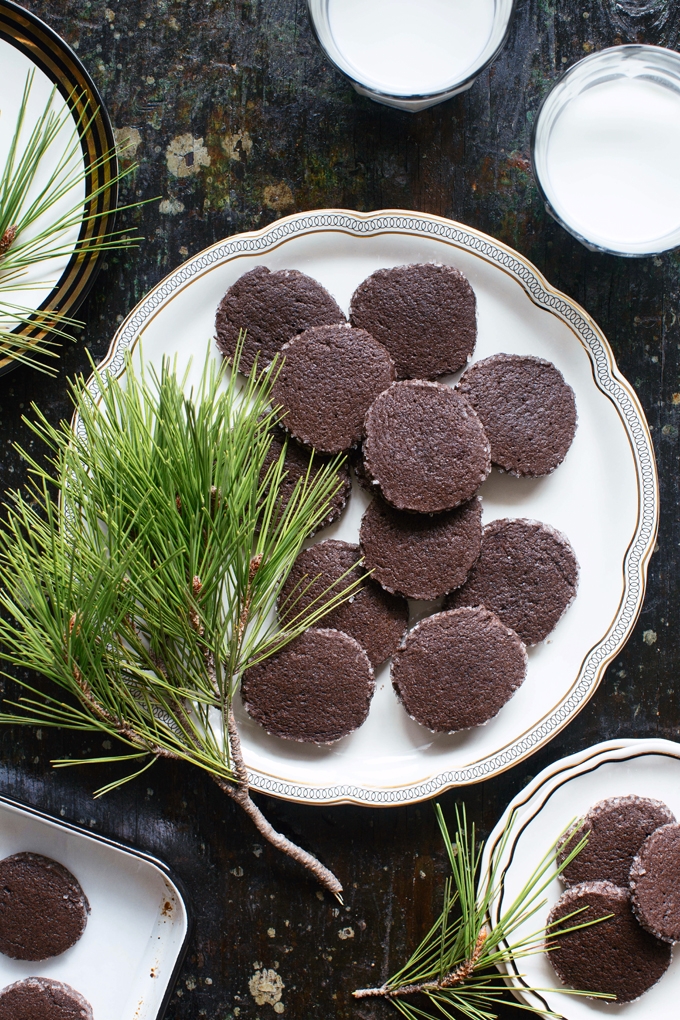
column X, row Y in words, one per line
column 655, row 883
column 615, row 956
column 616, row 829
column 39, row 998
column 43, row 910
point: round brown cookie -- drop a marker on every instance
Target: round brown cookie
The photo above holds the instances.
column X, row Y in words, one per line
column 526, row 573
column 457, row 669
column 330, row 377
column 43, row 910
column 424, row 314
column 616, row 829
column 39, row 998
column 272, row 308
column 425, row 447
column 418, row 555
column 372, row 616
column 527, row 409
column 317, row 689
column 296, row 465
column 655, row 883
column 615, row 956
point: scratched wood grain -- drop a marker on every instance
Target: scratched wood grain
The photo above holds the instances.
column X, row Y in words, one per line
column 236, row 118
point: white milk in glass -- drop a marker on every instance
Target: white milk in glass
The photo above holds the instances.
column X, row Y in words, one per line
column 410, row 47
column 613, row 162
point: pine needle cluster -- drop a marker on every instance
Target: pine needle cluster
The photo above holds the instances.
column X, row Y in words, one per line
column 141, row 564
column 38, row 174
column 455, row 971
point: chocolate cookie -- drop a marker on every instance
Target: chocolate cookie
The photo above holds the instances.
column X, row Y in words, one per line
column 616, row 829
column 425, row 447
column 457, row 669
column 357, row 462
column 38, row 998
column 272, row 308
column 43, row 910
column 615, row 956
column 418, row 555
column 655, row 883
column 527, row 410
column 330, row 377
column 372, row 616
column 526, row 573
column 317, row 689
column 296, row 464
column 424, row 314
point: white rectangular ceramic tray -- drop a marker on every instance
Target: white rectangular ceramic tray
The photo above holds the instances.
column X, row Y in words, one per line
column 128, row 957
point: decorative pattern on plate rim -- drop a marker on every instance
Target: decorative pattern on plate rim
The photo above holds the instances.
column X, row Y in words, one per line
column 607, row 378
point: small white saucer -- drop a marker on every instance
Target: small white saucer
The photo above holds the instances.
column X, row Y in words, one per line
column 564, row 791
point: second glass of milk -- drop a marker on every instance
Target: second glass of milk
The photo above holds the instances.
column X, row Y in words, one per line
column 606, row 150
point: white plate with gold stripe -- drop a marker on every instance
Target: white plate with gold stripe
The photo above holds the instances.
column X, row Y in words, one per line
column 604, row 496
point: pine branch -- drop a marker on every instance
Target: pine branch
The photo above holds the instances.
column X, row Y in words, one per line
column 455, row 968
column 141, row 565
column 455, row 977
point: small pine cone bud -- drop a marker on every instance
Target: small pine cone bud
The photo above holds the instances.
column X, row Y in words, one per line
column 197, row 586
column 72, row 623
column 196, row 622
column 254, row 566
column 178, row 504
column 7, row 239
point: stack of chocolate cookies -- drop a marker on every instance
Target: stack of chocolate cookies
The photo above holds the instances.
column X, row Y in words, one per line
column 629, row 874
column 43, row 913
column 369, row 388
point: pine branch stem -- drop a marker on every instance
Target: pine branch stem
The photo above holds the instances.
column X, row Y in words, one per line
column 453, row 978
column 121, row 727
column 240, row 793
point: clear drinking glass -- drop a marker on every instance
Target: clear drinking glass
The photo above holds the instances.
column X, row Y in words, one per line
column 606, row 150
column 411, row 54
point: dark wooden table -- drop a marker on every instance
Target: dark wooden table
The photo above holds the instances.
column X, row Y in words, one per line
column 236, row 118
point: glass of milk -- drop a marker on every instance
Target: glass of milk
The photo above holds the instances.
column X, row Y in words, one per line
column 606, row 150
column 411, row 53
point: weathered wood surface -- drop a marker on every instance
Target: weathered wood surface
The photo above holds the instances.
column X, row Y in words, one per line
column 270, row 127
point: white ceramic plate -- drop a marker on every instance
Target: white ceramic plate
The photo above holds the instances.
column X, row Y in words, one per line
column 562, row 792
column 28, row 45
column 16, row 65
column 603, row 497
column 127, row 959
